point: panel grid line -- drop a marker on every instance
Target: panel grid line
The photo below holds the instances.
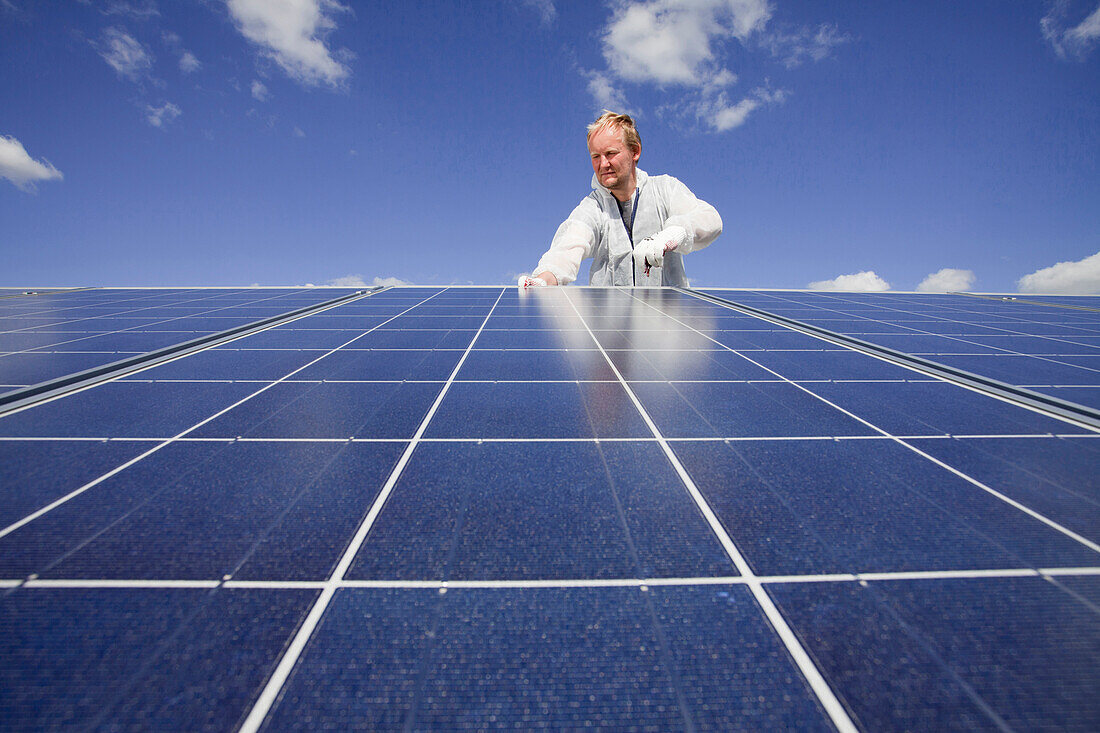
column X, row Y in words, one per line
column 821, row 689
column 260, row 709
column 95, row 482
column 885, row 433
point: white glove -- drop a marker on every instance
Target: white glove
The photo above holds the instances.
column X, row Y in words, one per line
column 652, row 249
column 526, row 281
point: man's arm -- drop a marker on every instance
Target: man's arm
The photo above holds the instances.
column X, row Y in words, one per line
column 575, row 239
column 698, row 218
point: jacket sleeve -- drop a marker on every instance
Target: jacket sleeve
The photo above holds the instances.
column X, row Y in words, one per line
column 575, row 239
column 697, row 217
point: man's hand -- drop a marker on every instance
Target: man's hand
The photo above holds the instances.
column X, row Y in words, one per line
column 652, row 249
column 526, row 281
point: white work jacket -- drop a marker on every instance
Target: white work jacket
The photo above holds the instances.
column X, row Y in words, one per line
column 595, row 229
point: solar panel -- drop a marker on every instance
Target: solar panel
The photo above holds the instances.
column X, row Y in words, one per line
column 57, row 333
column 471, row 507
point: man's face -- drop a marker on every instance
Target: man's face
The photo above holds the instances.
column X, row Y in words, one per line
column 612, row 160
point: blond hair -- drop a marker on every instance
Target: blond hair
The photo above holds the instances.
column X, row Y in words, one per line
column 622, row 123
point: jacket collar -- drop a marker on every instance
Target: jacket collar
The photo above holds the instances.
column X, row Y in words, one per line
column 640, row 174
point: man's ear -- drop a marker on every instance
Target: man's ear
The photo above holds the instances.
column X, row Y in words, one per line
column 637, row 154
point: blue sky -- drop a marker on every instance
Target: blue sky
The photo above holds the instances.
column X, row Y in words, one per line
column 282, row 142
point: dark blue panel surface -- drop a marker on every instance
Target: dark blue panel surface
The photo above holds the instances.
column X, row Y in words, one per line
column 1059, row 478
column 538, row 365
column 327, row 410
column 563, row 410
column 931, row 408
column 139, row 659
column 379, row 364
column 230, row 363
column 668, row 659
column 798, row 507
column 35, row 473
column 126, row 410
column 830, row 365
column 1023, row 370
column 687, row 410
column 256, row 511
column 424, row 338
column 538, row 510
column 1013, row 653
column 35, row 366
column 687, row 365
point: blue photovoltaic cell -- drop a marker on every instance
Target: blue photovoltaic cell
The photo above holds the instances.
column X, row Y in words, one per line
column 287, row 518
column 75, row 331
column 716, row 410
column 327, row 410
column 930, row 408
column 1012, row 336
column 504, row 410
column 139, row 659
column 231, row 364
column 528, row 553
column 1057, row 477
column 1013, row 653
column 473, row 659
column 531, row 510
column 799, row 507
column 126, row 410
column 29, row 475
column 396, row 364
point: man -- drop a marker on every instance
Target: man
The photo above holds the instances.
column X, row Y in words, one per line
column 635, row 227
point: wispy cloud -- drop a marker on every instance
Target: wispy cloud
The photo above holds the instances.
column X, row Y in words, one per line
column 138, row 10
column 259, row 91
column 20, row 168
column 188, row 63
column 862, row 282
column 162, row 115
column 545, row 8
column 688, row 49
column 805, row 44
column 293, row 34
column 357, row 281
column 125, row 54
column 947, row 280
column 1071, row 41
column 1079, row 278
column 606, row 94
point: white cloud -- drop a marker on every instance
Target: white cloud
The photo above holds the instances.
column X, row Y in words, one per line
column 1079, row 278
column 805, row 44
column 20, row 168
column 357, row 281
column 947, row 280
column 689, row 48
column 298, row 132
column 673, row 41
column 545, row 8
column 188, row 63
column 606, row 94
column 292, row 33
column 862, row 282
column 259, row 90
column 1076, row 41
column 162, row 115
column 125, row 54
column 138, row 10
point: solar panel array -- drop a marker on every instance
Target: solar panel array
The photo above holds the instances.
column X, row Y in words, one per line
column 474, row 508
